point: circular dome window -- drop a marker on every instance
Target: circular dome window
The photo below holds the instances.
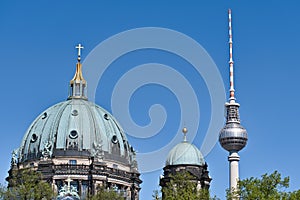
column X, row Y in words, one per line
column 74, row 112
column 114, row 139
column 44, row 115
column 73, row 134
column 34, row 138
column 106, row 116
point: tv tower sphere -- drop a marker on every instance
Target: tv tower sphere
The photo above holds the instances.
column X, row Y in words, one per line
column 233, row 136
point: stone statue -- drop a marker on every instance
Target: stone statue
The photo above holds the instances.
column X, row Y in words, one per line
column 47, row 152
column 134, row 164
column 98, row 151
column 14, row 158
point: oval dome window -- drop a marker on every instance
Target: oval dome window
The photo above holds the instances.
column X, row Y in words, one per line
column 74, row 112
column 34, row 138
column 73, row 134
column 106, row 116
column 114, row 139
column 44, row 115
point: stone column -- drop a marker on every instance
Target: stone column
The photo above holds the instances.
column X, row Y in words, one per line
column 79, row 187
column 233, row 159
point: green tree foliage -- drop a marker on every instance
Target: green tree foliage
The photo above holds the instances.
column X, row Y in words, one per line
column 27, row 185
column 103, row 194
column 2, row 191
column 269, row 187
column 156, row 195
column 181, row 187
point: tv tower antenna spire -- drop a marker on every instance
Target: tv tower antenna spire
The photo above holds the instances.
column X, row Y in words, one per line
column 233, row 136
column 231, row 74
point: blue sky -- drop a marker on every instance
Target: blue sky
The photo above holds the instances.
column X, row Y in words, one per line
column 38, row 60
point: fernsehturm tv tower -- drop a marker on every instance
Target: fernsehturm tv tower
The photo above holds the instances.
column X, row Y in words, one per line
column 233, row 137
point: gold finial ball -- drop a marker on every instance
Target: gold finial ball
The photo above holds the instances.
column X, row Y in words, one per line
column 184, row 130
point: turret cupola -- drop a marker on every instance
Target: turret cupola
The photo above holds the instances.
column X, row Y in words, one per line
column 78, row 86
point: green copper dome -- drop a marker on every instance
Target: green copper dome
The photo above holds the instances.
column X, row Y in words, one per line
column 76, row 128
column 185, row 153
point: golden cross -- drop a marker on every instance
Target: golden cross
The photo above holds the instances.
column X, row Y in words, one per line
column 79, row 47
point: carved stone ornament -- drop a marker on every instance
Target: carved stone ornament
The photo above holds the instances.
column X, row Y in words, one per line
column 98, row 152
column 47, row 152
column 68, row 192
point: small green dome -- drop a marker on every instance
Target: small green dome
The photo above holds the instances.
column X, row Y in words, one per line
column 185, row 153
